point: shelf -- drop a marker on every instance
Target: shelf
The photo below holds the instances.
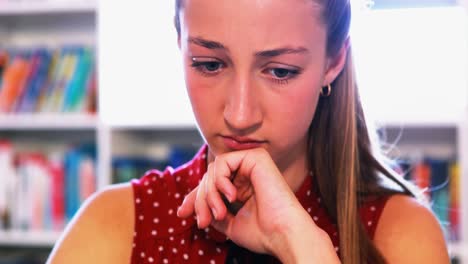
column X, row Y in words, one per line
column 47, row 121
column 27, row 7
column 458, row 250
column 414, row 121
column 28, row 239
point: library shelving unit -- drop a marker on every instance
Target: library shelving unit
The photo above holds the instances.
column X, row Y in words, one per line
column 53, row 23
column 43, row 132
column 48, row 23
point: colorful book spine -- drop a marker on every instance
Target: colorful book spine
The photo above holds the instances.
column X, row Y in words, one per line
column 6, row 182
column 87, row 178
column 36, row 83
column 439, row 180
column 57, row 172
column 454, row 204
column 45, row 191
column 74, row 92
column 72, row 196
column 12, row 83
column 3, row 63
column 43, row 80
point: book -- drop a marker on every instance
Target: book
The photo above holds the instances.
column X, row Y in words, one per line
column 39, row 79
column 45, row 189
column 12, row 83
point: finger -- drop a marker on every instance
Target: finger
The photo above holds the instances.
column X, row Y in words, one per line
column 202, row 210
column 222, row 177
column 259, row 168
column 257, row 173
column 226, row 187
column 224, row 226
column 187, row 208
column 213, row 198
column 215, row 203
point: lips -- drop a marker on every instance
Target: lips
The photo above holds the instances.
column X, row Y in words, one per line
column 241, row 143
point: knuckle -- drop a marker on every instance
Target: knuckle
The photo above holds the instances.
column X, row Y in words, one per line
column 218, row 159
column 210, row 167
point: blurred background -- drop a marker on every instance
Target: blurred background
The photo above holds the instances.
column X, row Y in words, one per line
column 92, row 93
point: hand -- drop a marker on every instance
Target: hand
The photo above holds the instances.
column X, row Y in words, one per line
column 270, row 214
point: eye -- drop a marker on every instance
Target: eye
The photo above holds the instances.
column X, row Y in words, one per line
column 207, row 66
column 212, row 66
column 280, row 72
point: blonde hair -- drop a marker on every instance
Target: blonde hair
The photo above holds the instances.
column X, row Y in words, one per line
column 342, row 150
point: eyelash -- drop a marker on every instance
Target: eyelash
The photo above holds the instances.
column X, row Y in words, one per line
column 200, row 66
column 292, row 73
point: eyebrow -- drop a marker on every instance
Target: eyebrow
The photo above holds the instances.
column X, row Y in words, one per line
column 280, row 51
column 214, row 45
column 209, row 44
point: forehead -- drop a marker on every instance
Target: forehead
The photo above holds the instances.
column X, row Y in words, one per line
column 254, row 23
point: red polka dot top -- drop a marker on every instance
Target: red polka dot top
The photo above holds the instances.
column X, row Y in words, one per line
column 162, row 237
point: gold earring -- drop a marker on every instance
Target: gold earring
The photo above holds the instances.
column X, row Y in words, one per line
column 326, row 91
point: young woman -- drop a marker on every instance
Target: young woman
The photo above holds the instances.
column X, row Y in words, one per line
column 289, row 172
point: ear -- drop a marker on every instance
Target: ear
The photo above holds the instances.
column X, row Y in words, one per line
column 335, row 64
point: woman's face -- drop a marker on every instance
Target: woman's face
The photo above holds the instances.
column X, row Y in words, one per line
column 254, row 70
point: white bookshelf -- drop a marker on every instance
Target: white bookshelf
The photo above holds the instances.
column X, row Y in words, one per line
column 48, row 121
column 49, row 23
column 459, row 250
column 25, row 7
column 28, row 238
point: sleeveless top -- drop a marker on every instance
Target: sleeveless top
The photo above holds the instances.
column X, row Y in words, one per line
column 162, row 237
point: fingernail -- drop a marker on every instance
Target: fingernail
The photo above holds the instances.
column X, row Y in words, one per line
column 231, row 198
column 178, row 211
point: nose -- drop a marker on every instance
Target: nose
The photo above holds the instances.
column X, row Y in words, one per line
column 242, row 111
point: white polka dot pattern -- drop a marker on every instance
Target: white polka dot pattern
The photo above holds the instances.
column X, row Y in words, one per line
column 162, row 237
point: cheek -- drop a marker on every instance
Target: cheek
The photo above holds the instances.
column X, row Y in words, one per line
column 298, row 110
column 204, row 105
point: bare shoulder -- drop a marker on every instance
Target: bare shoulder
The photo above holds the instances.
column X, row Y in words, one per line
column 101, row 231
column 408, row 232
